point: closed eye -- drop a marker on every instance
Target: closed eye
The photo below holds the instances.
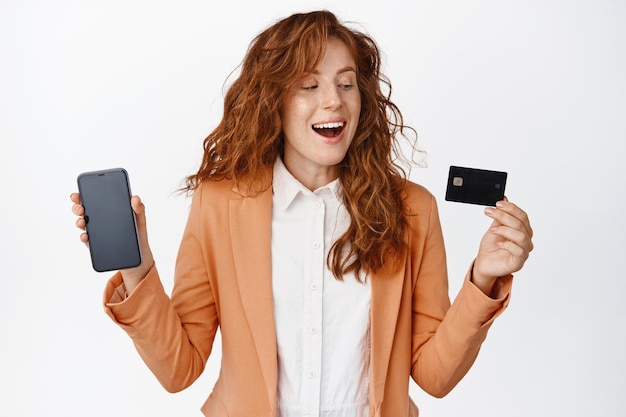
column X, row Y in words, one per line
column 309, row 87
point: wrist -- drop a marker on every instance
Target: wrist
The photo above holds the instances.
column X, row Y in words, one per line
column 133, row 276
column 484, row 283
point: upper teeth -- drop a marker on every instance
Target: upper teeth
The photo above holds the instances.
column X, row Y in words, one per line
column 328, row 125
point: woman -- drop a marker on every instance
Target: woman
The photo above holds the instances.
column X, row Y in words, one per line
column 322, row 265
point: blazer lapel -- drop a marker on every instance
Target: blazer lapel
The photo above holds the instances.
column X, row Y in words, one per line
column 250, row 227
column 387, row 287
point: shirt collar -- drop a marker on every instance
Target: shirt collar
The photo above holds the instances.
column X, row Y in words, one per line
column 286, row 187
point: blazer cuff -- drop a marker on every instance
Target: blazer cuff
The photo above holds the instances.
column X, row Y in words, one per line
column 480, row 306
column 123, row 308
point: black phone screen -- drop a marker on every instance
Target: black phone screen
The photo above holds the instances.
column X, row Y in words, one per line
column 113, row 242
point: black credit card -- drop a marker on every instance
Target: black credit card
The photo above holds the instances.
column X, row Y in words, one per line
column 475, row 186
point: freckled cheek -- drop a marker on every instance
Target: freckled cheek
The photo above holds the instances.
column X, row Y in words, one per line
column 289, row 114
column 302, row 116
column 356, row 112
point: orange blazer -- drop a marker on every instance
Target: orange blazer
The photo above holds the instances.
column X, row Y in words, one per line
column 223, row 279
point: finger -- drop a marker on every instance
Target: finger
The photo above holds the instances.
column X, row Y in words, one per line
column 140, row 211
column 140, row 216
column 137, row 204
column 84, row 238
column 78, row 210
column 503, row 218
column 81, row 223
column 518, row 255
column 77, row 207
column 511, row 208
column 518, row 237
column 516, row 212
column 511, row 215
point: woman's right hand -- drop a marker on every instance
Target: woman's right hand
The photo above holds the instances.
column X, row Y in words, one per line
column 132, row 276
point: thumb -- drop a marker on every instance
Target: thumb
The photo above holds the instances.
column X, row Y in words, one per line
column 132, row 276
column 140, row 211
column 140, row 217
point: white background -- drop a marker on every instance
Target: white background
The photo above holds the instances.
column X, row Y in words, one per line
column 536, row 88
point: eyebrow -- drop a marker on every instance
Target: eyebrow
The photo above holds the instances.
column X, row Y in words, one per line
column 340, row 71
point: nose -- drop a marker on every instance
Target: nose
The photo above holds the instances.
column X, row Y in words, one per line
column 331, row 98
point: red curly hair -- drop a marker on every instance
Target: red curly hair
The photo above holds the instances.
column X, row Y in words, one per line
column 249, row 137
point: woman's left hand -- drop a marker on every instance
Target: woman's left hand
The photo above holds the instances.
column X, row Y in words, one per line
column 505, row 247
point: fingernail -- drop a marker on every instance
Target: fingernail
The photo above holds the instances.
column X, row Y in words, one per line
column 500, row 204
column 489, row 210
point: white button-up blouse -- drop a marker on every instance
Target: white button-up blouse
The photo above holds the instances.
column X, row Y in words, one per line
column 322, row 324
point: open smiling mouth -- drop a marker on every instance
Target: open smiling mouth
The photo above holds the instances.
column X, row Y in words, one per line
column 329, row 130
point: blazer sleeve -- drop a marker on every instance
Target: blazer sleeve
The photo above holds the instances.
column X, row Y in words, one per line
column 173, row 336
column 446, row 337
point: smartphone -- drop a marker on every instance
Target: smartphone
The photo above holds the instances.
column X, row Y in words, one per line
column 475, row 186
column 110, row 219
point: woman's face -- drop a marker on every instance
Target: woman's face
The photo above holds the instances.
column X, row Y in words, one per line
column 320, row 114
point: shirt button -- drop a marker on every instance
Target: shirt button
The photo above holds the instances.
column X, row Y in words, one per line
column 311, row 374
column 313, row 330
column 313, row 286
column 317, row 206
column 316, row 245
